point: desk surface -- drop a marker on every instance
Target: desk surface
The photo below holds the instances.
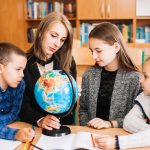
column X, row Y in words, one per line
column 74, row 129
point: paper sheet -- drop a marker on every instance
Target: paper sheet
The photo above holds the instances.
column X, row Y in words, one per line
column 67, row 142
column 8, row 144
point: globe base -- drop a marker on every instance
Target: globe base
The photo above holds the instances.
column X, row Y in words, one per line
column 64, row 130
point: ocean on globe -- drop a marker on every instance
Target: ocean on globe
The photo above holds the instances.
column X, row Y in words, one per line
column 54, row 92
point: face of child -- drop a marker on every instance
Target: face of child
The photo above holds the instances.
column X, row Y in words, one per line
column 12, row 73
column 103, row 54
column 54, row 38
column 145, row 80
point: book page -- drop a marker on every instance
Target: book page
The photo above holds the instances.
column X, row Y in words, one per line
column 84, row 140
column 67, row 142
column 9, row 144
column 49, row 142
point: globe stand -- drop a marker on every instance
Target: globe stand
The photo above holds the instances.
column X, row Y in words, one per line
column 64, row 130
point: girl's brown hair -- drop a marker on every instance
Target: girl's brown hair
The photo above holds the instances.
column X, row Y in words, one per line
column 109, row 33
column 63, row 55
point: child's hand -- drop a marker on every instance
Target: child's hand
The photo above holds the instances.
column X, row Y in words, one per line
column 105, row 142
column 25, row 134
column 98, row 123
column 49, row 122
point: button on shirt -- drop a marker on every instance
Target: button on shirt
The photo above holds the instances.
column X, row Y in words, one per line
column 10, row 104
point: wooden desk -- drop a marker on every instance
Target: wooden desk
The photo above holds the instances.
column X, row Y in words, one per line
column 75, row 129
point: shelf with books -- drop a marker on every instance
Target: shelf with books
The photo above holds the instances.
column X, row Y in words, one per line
column 39, row 8
column 143, row 30
column 83, row 20
column 125, row 27
column 36, row 10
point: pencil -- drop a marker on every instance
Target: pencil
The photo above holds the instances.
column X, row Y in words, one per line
column 93, row 140
column 26, row 146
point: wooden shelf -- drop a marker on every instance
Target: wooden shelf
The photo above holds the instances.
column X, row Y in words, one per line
column 142, row 45
column 143, row 18
column 40, row 19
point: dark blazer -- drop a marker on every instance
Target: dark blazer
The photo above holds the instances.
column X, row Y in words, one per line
column 30, row 110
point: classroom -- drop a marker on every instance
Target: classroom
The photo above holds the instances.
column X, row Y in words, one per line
column 76, row 73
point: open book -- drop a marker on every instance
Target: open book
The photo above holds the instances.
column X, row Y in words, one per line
column 69, row 142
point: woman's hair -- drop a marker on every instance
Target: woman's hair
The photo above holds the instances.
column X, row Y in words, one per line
column 6, row 49
column 63, row 55
column 109, row 33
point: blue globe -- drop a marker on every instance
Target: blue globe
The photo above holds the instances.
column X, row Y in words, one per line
column 56, row 92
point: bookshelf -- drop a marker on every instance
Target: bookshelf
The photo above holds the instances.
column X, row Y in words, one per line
column 36, row 10
column 120, row 12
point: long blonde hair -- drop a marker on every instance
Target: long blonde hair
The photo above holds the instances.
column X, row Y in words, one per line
column 110, row 34
column 63, row 55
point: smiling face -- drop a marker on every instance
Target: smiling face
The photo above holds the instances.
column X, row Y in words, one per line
column 145, row 80
column 54, row 39
column 12, row 73
column 105, row 55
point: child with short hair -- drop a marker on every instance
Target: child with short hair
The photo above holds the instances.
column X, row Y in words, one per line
column 138, row 119
column 12, row 63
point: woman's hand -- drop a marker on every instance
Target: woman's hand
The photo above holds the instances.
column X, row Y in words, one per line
column 105, row 142
column 49, row 122
column 98, row 123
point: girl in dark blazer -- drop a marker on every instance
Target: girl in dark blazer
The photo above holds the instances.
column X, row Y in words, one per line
column 110, row 87
column 51, row 50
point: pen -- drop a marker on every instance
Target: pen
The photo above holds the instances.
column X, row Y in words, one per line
column 92, row 140
column 36, row 147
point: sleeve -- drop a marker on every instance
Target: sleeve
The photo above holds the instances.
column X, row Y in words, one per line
column 30, row 111
column 15, row 109
column 132, row 92
column 134, row 121
column 83, row 109
column 73, row 70
column 140, row 139
column 7, row 132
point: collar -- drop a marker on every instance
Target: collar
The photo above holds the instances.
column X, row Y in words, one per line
column 43, row 63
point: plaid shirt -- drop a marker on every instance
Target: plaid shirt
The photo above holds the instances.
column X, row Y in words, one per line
column 10, row 104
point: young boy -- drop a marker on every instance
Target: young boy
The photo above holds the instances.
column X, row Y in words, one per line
column 138, row 119
column 12, row 63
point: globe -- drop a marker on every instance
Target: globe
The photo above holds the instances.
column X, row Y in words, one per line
column 56, row 92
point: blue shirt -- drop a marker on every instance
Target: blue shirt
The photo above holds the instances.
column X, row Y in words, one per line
column 10, row 105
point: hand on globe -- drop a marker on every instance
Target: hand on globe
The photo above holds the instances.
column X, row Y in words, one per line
column 49, row 122
column 56, row 92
